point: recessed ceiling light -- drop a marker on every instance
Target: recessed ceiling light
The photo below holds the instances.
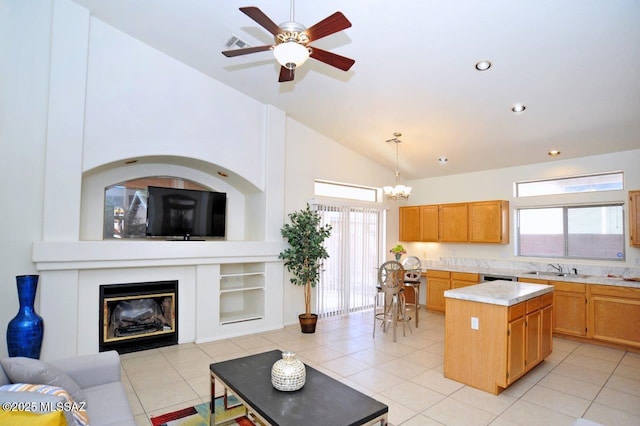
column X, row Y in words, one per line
column 443, row 160
column 483, row 65
column 518, row 108
column 553, row 152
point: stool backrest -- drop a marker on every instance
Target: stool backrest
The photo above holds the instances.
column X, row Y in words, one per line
column 391, row 276
column 413, row 268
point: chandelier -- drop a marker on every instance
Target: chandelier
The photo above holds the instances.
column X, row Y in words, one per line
column 398, row 191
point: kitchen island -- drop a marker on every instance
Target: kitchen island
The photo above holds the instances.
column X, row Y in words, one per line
column 495, row 332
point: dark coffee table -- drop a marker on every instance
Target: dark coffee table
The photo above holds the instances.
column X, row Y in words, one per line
column 322, row 401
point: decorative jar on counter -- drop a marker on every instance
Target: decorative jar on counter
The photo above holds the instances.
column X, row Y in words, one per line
column 289, row 373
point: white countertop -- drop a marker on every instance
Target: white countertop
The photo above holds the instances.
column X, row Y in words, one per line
column 585, row 279
column 504, row 293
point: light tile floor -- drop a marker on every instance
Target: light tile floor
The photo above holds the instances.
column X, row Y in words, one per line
column 576, row 381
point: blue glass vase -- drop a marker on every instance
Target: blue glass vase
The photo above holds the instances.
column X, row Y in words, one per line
column 25, row 330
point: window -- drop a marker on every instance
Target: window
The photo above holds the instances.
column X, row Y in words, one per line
column 341, row 190
column 584, row 232
column 588, row 183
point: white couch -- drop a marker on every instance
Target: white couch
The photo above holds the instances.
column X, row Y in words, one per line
column 97, row 378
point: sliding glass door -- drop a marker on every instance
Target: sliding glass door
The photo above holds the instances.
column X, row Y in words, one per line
column 348, row 281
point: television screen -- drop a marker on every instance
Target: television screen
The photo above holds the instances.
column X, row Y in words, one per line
column 185, row 213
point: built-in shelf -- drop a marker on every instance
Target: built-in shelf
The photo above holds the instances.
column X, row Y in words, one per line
column 242, row 295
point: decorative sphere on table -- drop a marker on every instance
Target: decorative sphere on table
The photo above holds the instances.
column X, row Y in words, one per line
column 289, row 373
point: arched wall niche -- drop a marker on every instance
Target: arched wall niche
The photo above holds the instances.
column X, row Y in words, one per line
column 96, row 180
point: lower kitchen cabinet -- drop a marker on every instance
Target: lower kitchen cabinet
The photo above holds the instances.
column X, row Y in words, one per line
column 570, row 301
column 464, row 279
column 437, row 283
column 529, row 335
column 490, row 346
column 614, row 314
column 569, row 306
column 440, row 281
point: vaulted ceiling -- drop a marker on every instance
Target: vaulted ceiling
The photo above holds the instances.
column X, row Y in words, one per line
column 574, row 64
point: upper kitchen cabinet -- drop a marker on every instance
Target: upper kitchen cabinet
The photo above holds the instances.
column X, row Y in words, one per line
column 489, row 222
column 454, row 222
column 409, row 223
column 476, row 222
column 419, row 223
column 634, row 218
column 429, row 226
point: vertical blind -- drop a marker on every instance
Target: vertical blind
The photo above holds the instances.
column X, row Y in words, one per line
column 349, row 277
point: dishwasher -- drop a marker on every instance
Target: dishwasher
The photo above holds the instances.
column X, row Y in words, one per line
column 494, row 277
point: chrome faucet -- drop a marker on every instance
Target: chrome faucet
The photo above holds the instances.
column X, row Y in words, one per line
column 557, row 267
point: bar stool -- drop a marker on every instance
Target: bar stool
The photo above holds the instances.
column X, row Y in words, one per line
column 391, row 286
column 412, row 274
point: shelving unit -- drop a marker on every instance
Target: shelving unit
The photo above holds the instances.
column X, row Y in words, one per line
column 242, row 295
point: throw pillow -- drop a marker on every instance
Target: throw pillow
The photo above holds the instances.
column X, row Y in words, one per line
column 78, row 410
column 28, row 370
column 26, row 418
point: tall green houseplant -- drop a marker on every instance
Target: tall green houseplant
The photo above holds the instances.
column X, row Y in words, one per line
column 306, row 252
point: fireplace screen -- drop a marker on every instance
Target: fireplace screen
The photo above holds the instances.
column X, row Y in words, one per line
column 138, row 316
column 131, row 317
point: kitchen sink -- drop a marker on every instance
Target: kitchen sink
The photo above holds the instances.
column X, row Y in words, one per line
column 555, row 274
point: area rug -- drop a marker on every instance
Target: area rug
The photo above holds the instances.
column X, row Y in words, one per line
column 199, row 415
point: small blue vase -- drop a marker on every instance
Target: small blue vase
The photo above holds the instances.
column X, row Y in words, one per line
column 25, row 330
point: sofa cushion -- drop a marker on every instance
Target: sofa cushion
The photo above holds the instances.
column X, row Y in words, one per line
column 38, row 402
column 78, row 410
column 28, row 418
column 29, row 370
column 108, row 405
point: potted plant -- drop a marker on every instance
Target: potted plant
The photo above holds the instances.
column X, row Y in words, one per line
column 304, row 256
column 398, row 251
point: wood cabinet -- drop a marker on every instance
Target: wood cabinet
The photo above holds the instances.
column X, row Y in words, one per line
column 477, row 222
column 530, row 336
column 634, row 218
column 594, row 312
column 489, row 222
column 440, row 281
column 569, row 306
column 490, row 346
column 614, row 314
column 464, row 279
column 437, row 283
column 429, row 223
column 453, row 222
column 409, row 219
column 516, row 343
column 570, row 301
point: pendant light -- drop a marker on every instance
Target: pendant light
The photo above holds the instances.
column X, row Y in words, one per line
column 398, row 191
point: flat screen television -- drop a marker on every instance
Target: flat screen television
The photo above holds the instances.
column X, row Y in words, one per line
column 185, row 213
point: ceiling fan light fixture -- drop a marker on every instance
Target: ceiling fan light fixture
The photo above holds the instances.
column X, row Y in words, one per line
column 291, row 54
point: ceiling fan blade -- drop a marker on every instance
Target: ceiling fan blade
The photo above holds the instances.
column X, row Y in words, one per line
column 246, row 51
column 286, row 74
column 262, row 19
column 332, row 59
column 329, row 25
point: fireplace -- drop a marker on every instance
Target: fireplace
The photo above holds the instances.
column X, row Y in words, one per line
column 138, row 316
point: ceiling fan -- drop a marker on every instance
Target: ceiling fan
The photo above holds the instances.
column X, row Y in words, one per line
column 291, row 47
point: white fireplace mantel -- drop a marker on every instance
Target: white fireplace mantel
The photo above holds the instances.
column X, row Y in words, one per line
column 81, row 255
